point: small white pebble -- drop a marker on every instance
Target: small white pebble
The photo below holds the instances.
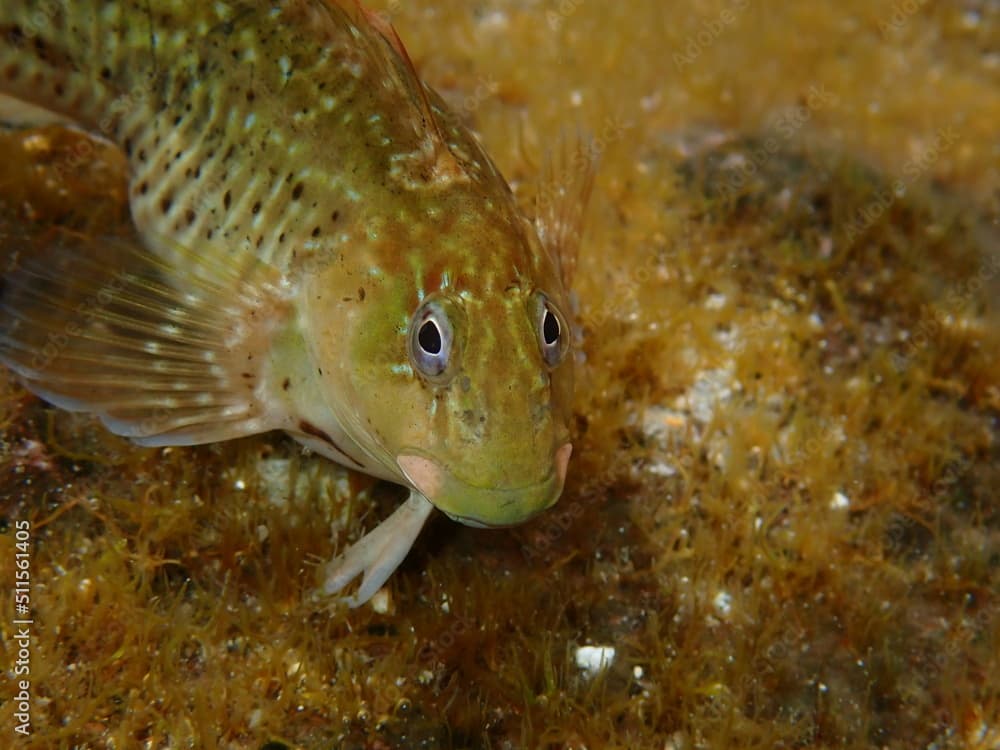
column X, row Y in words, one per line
column 715, row 301
column 594, row 659
column 723, row 603
column 840, row 500
column 381, row 602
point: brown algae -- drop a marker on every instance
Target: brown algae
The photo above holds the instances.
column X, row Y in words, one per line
column 781, row 511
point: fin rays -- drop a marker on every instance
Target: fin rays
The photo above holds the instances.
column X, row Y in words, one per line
column 163, row 352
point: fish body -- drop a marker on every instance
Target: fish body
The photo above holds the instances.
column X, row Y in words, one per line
column 323, row 248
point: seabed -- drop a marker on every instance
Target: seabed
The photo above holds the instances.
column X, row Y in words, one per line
column 781, row 525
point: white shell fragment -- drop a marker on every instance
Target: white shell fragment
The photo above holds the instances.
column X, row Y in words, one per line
column 594, row 659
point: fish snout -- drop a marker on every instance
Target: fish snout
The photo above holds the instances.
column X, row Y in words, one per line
column 473, row 505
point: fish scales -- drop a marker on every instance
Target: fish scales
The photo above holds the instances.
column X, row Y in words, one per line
column 323, row 248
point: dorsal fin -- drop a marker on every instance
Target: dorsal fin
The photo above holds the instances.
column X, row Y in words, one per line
column 563, row 194
column 445, row 166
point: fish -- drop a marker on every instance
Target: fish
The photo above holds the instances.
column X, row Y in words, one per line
column 321, row 247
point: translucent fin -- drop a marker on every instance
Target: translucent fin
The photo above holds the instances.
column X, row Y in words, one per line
column 388, row 32
column 165, row 353
column 561, row 205
column 379, row 552
column 386, row 51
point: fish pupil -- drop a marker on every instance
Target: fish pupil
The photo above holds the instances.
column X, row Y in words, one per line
column 430, row 338
column 550, row 328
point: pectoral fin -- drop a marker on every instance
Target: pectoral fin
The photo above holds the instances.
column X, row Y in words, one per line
column 166, row 353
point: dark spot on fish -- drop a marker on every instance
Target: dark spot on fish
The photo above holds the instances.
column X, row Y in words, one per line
column 316, row 432
column 15, row 35
column 142, row 154
column 250, row 96
column 177, row 120
column 315, row 232
column 297, row 191
column 143, row 188
column 227, row 200
column 209, row 233
column 59, row 89
column 334, row 216
column 106, row 73
column 256, row 207
column 190, row 216
column 229, row 153
column 361, row 293
column 281, row 238
column 246, row 374
column 166, row 203
column 286, row 384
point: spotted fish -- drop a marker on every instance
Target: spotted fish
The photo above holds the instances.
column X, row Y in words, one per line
column 322, row 247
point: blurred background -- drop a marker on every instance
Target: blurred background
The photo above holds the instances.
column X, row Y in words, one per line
column 781, row 525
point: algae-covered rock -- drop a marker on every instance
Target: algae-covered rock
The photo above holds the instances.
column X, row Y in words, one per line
column 780, row 525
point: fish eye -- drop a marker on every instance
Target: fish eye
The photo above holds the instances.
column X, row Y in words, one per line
column 431, row 339
column 553, row 335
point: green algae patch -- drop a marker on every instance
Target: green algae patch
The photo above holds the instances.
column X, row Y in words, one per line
column 780, row 525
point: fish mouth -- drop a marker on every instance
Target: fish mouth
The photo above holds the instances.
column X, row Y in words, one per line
column 484, row 507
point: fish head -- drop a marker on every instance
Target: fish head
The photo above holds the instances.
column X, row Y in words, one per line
column 490, row 445
column 458, row 373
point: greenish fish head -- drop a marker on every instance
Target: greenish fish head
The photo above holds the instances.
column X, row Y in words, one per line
column 459, row 378
column 495, row 384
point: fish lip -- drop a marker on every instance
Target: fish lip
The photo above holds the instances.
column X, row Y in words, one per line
column 509, row 506
column 476, row 524
column 499, row 490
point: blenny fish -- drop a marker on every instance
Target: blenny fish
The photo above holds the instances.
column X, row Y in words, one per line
column 323, row 248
